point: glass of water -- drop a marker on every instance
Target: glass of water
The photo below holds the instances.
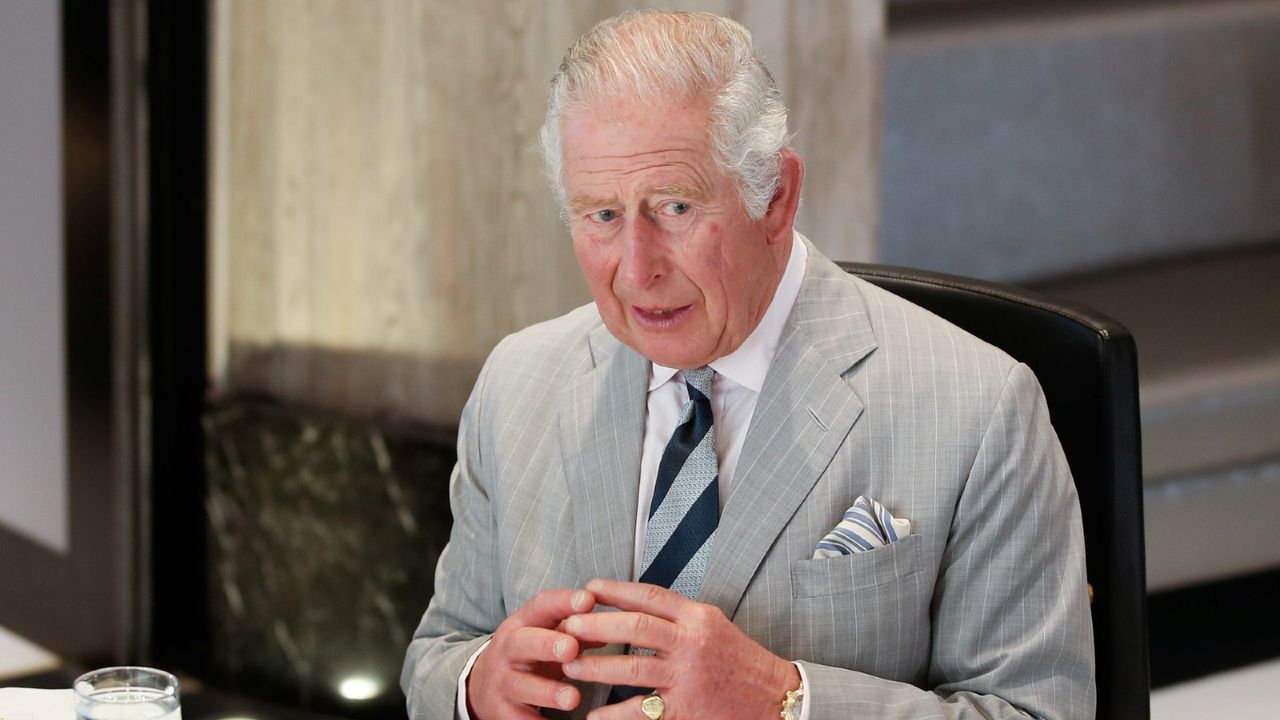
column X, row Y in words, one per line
column 127, row 693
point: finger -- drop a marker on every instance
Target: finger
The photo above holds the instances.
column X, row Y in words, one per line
column 634, row 670
column 549, row 607
column 628, row 709
column 639, row 597
column 635, row 628
column 582, row 644
column 531, row 689
column 534, row 644
column 520, row 712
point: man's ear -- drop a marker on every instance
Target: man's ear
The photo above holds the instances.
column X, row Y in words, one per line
column 780, row 216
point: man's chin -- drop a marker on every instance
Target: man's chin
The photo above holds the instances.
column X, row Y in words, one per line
column 671, row 351
column 672, row 358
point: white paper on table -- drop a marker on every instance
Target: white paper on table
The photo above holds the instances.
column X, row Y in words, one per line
column 30, row 704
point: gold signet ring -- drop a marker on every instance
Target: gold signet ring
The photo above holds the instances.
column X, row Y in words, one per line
column 653, row 707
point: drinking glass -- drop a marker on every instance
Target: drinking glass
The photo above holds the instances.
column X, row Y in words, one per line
column 127, row 693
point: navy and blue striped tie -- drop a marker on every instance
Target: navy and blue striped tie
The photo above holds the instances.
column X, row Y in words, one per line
column 686, row 504
column 686, row 497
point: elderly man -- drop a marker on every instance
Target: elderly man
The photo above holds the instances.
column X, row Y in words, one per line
column 742, row 483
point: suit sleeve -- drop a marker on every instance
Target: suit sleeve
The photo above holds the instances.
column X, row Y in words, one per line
column 467, row 606
column 1012, row 635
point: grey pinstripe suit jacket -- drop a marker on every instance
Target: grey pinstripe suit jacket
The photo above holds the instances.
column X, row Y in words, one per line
column 981, row 612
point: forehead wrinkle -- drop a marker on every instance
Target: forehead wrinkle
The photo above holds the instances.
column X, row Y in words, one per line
column 624, row 166
column 692, row 148
column 699, row 183
column 637, row 162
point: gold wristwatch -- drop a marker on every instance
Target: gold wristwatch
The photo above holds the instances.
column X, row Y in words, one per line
column 792, row 705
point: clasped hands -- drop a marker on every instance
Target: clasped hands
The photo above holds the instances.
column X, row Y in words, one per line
column 704, row 667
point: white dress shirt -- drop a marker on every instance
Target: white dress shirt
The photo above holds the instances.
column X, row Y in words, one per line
column 735, row 389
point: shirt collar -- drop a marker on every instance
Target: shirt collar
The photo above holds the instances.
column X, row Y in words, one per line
column 749, row 364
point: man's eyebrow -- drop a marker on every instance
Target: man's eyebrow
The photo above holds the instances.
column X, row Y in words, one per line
column 582, row 202
column 693, row 192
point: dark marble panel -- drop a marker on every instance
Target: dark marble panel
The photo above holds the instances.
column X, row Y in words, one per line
column 323, row 538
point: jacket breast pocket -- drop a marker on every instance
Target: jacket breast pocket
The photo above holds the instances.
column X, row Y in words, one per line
column 891, row 564
column 868, row 611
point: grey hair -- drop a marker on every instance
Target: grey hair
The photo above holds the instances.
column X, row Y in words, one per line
column 655, row 55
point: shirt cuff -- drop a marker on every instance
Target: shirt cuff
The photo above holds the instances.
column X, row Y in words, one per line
column 461, row 712
column 804, row 685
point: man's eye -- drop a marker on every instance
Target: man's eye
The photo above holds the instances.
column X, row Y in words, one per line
column 677, row 208
column 603, row 215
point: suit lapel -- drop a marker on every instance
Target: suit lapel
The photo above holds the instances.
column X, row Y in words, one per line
column 805, row 411
column 601, row 428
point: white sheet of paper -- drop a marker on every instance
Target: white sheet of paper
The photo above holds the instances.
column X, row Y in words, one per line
column 29, row 704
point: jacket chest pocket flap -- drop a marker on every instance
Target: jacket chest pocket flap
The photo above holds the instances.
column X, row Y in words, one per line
column 890, row 564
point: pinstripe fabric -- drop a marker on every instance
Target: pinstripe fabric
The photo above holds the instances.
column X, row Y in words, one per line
column 979, row 613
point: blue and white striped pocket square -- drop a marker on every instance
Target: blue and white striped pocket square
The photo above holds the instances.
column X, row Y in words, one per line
column 866, row 526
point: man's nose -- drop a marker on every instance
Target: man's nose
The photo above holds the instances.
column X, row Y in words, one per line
column 644, row 253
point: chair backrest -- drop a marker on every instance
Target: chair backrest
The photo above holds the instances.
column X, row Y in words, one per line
column 1087, row 365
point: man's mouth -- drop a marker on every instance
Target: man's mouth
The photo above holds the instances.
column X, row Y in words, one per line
column 658, row 317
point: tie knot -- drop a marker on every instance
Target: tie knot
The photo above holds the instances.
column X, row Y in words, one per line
column 700, row 379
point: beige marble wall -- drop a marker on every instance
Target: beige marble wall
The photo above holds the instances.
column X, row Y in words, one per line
column 378, row 217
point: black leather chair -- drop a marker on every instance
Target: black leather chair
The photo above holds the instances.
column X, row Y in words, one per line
column 1087, row 365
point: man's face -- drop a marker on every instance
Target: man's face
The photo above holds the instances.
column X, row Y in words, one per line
column 678, row 270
